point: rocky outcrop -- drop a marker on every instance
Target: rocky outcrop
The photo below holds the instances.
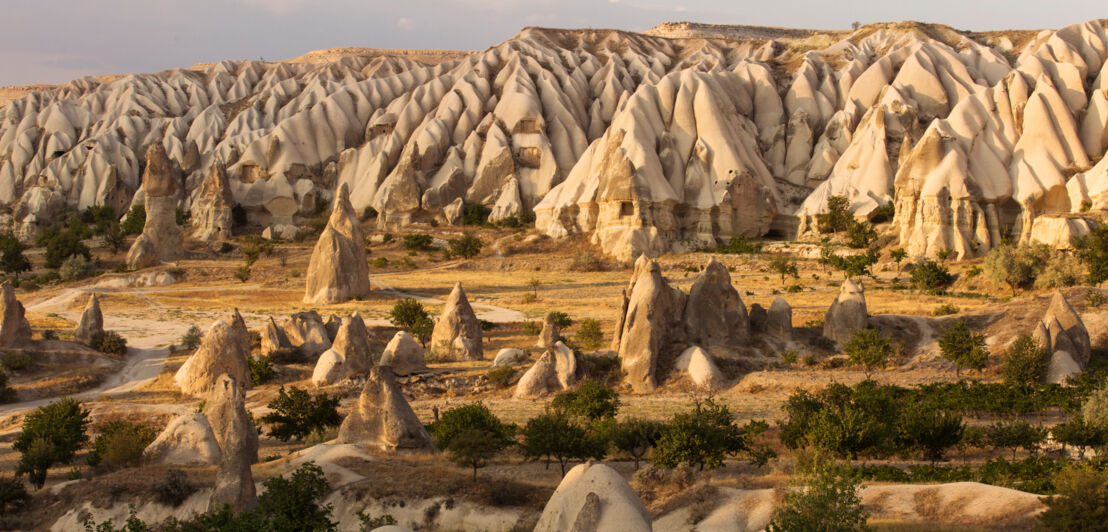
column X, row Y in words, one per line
column 383, row 419
column 161, row 236
column 92, row 322
column 187, row 440
column 457, row 333
column 698, row 365
column 234, row 430
column 549, row 333
column 1062, row 332
column 555, row 371
column 593, row 496
column 403, row 354
column 847, row 314
column 650, row 324
column 222, row 351
column 714, row 313
column 305, row 331
column 330, row 368
column 332, row 324
column 779, row 320
column 509, row 357
column 14, row 328
column 273, row 338
column 338, row 270
column 352, row 342
column 211, row 207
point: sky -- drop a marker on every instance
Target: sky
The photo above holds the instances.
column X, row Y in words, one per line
column 53, row 41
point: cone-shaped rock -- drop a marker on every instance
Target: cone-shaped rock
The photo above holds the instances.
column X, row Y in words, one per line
column 352, row 342
column 779, row 320
column 238, row 443
column 338, row 270
column 649, row 325
column 330, row 368
column 92, row 322
column 211, row 208
column 273, row 338
column 222, row 351
column 457, row 334
column 549, row 333
column 187, row 440
column 305, row 330
column 555, row 371
column 715, row 314
column 594, row 497
column 332, row 324
column 161, row 236
column 403, row 354
column 847, row 314
column 699, row 366
column 1073, row 330
column 382, row 417
column 14, row 328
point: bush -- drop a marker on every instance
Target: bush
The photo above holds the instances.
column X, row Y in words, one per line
column 1024, row 362
column 418, row 242
column 409, row 314
column 17, row 361
column 51, row 434
column 589, row 336
column 784, row 266
column 261, row 371
column 965, row 349
column 930, row 430
column 476, row 214
column 109, row 342
column 1059, row 271
column 826, row 498
column 930, row 276
column 12, row 259
column 739, row 245
column 1093, row 251
column 1081, row 502
column 75, row 268
column 701, row 437
column 471, row 435
column 7, row 394
column 120, row 444
column 296, row 414
column 226, row 247
column 837, row 217
column 602, row 368
column 501, row 377
column 135, row 220
column 1015, row 267
column 174, row 488
column 466, row 247
column 561, row 319
column 636, row 436
column 860, row 234
column 592, row 400
column 62, row 246
column 586, row 262
column 191, row 339
column 868, row 348
column 945, row 309
column 556, row 436
column 13, row 495
column 1095, row 408
column 242, row 273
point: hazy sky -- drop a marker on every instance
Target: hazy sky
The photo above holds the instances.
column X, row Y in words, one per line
column 52, row 41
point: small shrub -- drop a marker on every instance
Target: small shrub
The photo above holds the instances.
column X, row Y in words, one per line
column 601, row 367
column 13, row 495
column 75, row 268
column 466, row 247
column 739, row 245
column 261, row 371
column 120, row 444
column 368, row 523
column 837, row 217
column 380, row 262
column 17, row 361
column 930, row 276
column 789, row 356
column 561, row 319
column 827, row 498
column 417, row 242
column 7, row 395
column 586, row 262
column 592, row 400
column 242, row 273
column 531, row 328
column 476, row 214
column 868, row 348
column 63, row 246
column 297, row 414
column 1015, row 267
column 134, row 221
column 1095, row 299
column 501, row 377
column 226, row 247
column 1059, row 271
column 589, row 336
column 174, row 488
column 1024, row 362
column 945, row 309
column 191, row 339
column 109, row 342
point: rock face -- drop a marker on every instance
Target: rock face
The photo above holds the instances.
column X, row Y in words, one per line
column 549, row 333
column 714, row 313
column 555, row 371
column 648, row 324
column 222, row 351
column 383, row 419
column 457, row 334
column 330, row 368
column 700, row 368
column 509, row 357
column 779, row 320
column 338, row 270
column 273, row 338
column 187, row 440
column 305, row 330
column 161, row 236
column 211, row 207
column 352, row 342
column 238, row 444
column 847, row 314
column 593, row 496
column 1063, row 331
column 14, row 328
column 404, row 355
column 92, row 322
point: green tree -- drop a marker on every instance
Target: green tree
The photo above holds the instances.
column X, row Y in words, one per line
column 134, row 221
column 7, row 395
column 1081, row 502
column 1095, row 408
column 965, row 349
column 297, row 414
column 869, row 348
column 1015, row 267
column 62, row 246
column 589, row 336
column 930, row 276
column 120, row 444
column 12, row 259
column 554, row 435
column 837, row 217
column 52, row 434
column 930, row 430
column 1093, row 251
column 466, row 247
column 192, row 337
column 635, row 436
column 409, row 314
column 1079, row 434
column 784, row 266
column 295, row 503
column 417, row 242
column 592, row 400
column 1024, row 362
column 1015, row 434
column 114, row 237
column 824, row 498
column 898, row 255
column 860, row 234
column 471, row 435
column 702, row 437
column 13, row 496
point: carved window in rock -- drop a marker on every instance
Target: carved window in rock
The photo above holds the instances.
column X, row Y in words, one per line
column 527, row 125
column 529, row 157
column 626, row 208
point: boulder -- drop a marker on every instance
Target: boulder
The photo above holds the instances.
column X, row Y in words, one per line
column 649, row 325
column 143, row 254
column 549, row 333
column 238, row 444
column 14, row 328
column 306, row 331
column 715, row 314
column 847, row 314
column 338, row 270
column 382, row 418
column 330, row 368
column 187, row 440
column 510, row 357
column 452, row 213
column 758, row 318
column 211, row 208
column 779, row 320
column 92, row 322
column 403, row 354
column 273, row 338
column 594, row 497
column 555, row 371
column 699, row 366
column 161, row 236
column 457, row 333
column 1071, row 330
column 222, row 351
column 1062, row 366
column 267, row 233
column 1059, row 232
column 352, row 342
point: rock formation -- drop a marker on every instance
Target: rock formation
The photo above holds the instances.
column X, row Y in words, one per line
column 211, row 207
column 549, row 333
column 651, row 321
column 238, row 443
column 555, row 371
column 273, row 338
column 457, row 333
column 403, row 354
column 509, row 357
column 382, row 417
column 338, row 270
column 305, row 330
column 330, row 368
column 847, row 314
column 14, row 328
column 161, row 236
column 332, row 324
column 700, row 368
column 352, row 342
column 593, row 496
column 222, row 351
column 715, row 314
column 92, row 322
column 779, row 320
column 187, row 440
column 1063, row 334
